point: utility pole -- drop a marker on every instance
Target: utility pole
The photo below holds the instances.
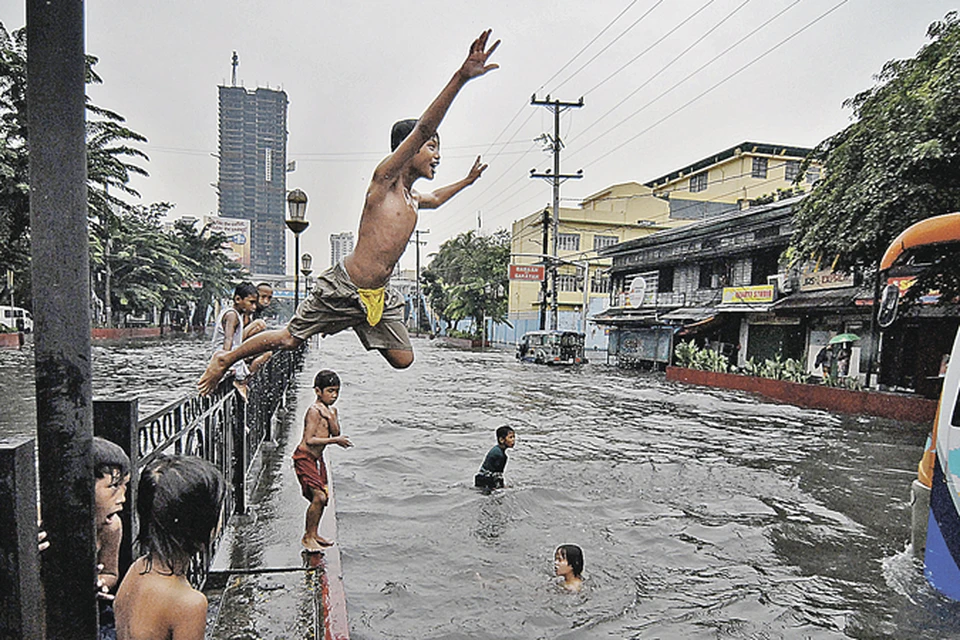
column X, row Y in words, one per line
column 416, row 306
column 544, row 292
column 555, row 144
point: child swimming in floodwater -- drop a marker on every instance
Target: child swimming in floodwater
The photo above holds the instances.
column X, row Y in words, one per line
column 179, row 501
column 568, row 563
column 490, row 475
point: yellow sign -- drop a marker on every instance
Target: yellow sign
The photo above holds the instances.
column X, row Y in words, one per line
column 760, row 294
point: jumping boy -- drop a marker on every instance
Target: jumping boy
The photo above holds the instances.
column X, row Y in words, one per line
column 490, row 475
column 354, row 293
column 320, row 428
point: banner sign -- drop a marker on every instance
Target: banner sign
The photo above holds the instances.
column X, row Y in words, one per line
column 760, row 294
column 527, row 272
column 826, row 279
column 237, row 230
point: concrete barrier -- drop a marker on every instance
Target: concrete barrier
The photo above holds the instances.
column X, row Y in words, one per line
column 11, row 340
column 103, row 333
column 906, row 408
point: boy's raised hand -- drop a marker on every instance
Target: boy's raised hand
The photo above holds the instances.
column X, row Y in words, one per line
column 476, row 63
column 476, row 171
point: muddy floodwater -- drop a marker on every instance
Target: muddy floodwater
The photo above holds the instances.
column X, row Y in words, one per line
column 702, row 513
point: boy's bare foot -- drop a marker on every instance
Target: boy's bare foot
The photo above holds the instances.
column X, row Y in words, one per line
column 314, row 544
column 211, row 377
column 241, row 388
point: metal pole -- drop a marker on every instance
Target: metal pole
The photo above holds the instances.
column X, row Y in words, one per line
column 61, row 306
column 554, row 302
column 296, row 272
column 586, row 298
column 544, row 283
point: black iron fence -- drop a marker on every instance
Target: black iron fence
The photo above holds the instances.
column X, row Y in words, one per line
column 221, row 428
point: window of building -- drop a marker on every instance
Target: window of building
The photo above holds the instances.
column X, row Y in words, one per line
column 813, row 174
column 601, row 242
column 759, row 168
column 714, row 275
column 268, row 156
column 698, row 182
column 665, row 280
column 568, row 242
column 791, row 170
column 600, row 282
column 568, row 282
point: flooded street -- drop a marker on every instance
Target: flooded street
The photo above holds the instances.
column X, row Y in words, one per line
column 701, row 513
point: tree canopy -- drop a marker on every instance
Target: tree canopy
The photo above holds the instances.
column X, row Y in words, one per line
column 896, row 164
column 468, row 278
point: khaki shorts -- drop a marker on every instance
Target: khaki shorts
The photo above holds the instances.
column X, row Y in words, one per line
column 334, row 305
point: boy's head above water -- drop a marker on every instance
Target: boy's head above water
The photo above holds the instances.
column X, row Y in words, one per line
column 506, row 436
column 568, row 558
column 326, row 384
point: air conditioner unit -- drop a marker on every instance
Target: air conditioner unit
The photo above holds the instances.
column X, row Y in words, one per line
column 782, row 282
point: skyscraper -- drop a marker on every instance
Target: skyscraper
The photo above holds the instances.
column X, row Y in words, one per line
column 341, row 244
column 252, row 179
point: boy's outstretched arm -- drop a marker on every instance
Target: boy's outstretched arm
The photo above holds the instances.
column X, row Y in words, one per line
column 437, row 197
column 474, row 66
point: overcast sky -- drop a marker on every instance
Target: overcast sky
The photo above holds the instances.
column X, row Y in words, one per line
column 664, row 83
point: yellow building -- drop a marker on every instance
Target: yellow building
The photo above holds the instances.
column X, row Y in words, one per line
column 733, row 178
column 618, row 213
column 729, row 180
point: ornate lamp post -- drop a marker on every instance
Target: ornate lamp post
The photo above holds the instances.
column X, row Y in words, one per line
column 306, row 262
column 297, row 209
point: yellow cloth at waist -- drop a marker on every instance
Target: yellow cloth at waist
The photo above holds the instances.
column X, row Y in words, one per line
column 372, row 300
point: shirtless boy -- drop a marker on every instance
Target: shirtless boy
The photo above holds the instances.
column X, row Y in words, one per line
column 320, row 428
column 354, row 293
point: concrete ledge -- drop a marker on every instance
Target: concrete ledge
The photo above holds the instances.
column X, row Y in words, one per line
column 906, row 408
column 462, row 343
column 11, row 340
column 102, row 333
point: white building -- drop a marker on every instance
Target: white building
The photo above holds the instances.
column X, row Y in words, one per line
column 341, row 245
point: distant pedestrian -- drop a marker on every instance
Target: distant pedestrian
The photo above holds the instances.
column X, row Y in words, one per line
column 568, row 564
column 321, row 426
column 824, row 360
column 490, row 475
column 179, row 501
column 843, row 360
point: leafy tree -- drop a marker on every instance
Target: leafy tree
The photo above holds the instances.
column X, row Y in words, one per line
column 109, row 155
column 468, row 278
column 896, row 164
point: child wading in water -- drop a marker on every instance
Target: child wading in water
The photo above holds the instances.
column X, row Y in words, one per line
column 354, row 292
column 228, row 334
column 490, row 475
column 320, row 428
column 178, row 500
column 568, row 563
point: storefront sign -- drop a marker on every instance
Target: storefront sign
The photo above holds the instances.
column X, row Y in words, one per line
column 760, row 294
column 827, row 279
column 527, row 272
column 904, row 283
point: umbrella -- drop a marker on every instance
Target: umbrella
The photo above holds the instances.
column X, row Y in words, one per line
column 844, row 337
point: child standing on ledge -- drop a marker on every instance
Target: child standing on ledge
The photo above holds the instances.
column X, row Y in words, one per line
column 320, row 428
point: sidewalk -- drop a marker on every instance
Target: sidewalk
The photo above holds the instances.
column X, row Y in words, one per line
column 261, row 585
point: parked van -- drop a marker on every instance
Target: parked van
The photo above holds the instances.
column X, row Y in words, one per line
column 16, row 319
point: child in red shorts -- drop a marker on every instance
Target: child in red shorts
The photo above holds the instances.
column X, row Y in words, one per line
column 320, row 428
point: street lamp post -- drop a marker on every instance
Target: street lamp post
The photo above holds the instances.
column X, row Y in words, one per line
column 306, row 262
column 297, row 209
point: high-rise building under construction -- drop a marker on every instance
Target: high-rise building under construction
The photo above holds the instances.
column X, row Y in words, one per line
column 252, row 177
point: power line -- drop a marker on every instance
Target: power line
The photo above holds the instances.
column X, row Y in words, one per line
column 726, row 79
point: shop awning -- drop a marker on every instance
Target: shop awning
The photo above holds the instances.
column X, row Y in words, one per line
column 824, row 300
column 689, row 314
column 619, row 316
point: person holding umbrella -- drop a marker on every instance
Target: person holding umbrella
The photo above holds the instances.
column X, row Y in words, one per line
column 843, row 352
